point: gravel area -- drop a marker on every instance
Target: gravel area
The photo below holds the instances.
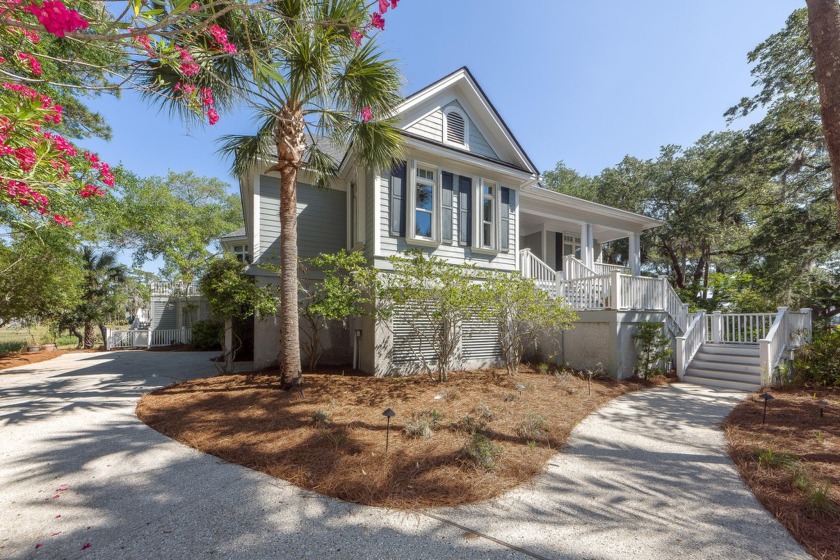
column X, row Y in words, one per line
column 647, row 477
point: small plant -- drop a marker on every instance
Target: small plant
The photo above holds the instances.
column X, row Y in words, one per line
column 542, row 368
column 653, row 349
column 482, row 452
column 772, row 459
column 337, row 439
column 532, row 444
column 469, row 424
column 321, row 419
column 532, row 427
column 423, row 424
column 819, row 437
column 510, row 397
column 820, row 501
column 483, row 411
column 448, row 394
column 801, row 481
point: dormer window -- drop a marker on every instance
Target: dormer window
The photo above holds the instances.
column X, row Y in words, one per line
column 455, row 127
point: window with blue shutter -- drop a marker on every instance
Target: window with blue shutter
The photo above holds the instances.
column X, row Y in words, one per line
column 465, row 204
column 446, row 206
column 506, row 206
column 398, row 199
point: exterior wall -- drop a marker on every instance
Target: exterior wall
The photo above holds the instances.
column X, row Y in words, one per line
column 453, row 253
column 431, row 127
column 322, row 220
column 598, row 336
column 533, row 242
column 163, row 314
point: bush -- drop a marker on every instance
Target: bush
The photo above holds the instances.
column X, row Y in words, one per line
column 470, row 425
column 532, row 427
column 653, row 349
column 207, row 335
column 423, row 424
column 482, row 452
column 819, row 362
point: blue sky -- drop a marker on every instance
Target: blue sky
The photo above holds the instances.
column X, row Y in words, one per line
column 584, row 82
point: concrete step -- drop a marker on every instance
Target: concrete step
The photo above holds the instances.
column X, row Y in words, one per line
column 743, row 369
column 730, row 349
column 722, row 383
column 724, row 375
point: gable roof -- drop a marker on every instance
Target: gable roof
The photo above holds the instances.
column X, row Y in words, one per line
column 464, row 80
column 235, row 234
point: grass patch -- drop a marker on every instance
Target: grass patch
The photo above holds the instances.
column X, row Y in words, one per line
column 247, row 420
column 792, row 463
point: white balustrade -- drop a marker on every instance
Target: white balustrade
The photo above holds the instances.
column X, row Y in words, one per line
column 544, row 276
column 738, row 328
column 175, row 288
column 590, row 292
column 689, row 343
column 773, row 345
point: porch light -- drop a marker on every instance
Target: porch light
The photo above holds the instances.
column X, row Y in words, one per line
column 388, row 414
column 519, row 387
column 767, row 397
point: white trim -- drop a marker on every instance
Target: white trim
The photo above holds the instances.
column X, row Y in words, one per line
column 428, row 148
column 640, row 221
column 377, row 210
column 463, row 115
column 256, row 249
column 411, row 203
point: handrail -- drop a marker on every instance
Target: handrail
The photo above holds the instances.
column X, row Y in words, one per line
column 773, row 345
column 738, row 328
column 689, row 343
column 606, row 268
column 173, row 288
column 575, row 268
column 531, row 267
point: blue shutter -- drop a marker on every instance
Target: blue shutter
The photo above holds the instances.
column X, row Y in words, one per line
column 505, row 219
column 446, row 207
column 398, row 195
column 465, row 200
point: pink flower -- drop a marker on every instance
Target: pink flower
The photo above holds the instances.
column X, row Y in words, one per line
column 34, row 65
column 32, row 36
column 62, row 221
column 188, row 65
column 207, row 97
column 90, row 190
column 56, row 18
column 105, row 174
column 366, row 114
column 383, row 6
column 87, row 544
column 377, row 21
column 25, row 157
column 356, row 36
column 212, row 116
column 193, row 6
column 220, row 35
column 146, row 42
column 394, row 3
column 2, row 60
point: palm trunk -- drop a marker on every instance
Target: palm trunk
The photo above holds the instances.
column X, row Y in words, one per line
column 824, row 28
column 90, row 336
column 290, row 142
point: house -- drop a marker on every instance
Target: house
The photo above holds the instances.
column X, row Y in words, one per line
column 466, row 192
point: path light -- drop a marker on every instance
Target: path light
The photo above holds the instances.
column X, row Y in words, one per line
column 766, row 397
column 822, row 404
column 388, row 414
column 589, row 375
column 519, row 387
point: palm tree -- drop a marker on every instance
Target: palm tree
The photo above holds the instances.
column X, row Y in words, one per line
column 313, row 85
column 102, row 278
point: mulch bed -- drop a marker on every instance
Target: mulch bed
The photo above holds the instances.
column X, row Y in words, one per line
column 17, row 359
column 331, row 439
column 806, row 458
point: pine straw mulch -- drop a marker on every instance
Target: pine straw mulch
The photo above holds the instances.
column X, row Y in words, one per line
column 248, row 420
column 807, row 456
column 17, row 359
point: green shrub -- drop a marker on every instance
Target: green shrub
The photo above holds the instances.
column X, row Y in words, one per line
column 532, row 427
column 321, row 419
column 12, row 346
column 423, row 424
column 769, row 458
column 819, row 362
column 483, row 411
column 482, row 452
column 208, row 334
column 654, row 349
column 469, row 424
column 820, row 501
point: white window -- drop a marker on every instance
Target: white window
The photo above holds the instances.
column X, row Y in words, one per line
column 488, row 215
column 571, row 246
column 455, row 127
column 424, row 203
column 242, row 253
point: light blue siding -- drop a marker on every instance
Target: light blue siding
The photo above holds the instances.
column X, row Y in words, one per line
column 478, row 143
column 322, row 220
column 431, row 127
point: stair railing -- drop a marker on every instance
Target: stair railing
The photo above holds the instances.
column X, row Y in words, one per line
column 773, row 345
column 689, row 343
column 544, row 276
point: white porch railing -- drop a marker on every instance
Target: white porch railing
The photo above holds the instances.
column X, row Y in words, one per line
column 145, row 338
column 773, row 345
column 574, row 268
column 172, row 288
column 604, row 268
column 641, row 292
column 689, row 343
column 532, row 267
column 589, row 292
column 738, row 328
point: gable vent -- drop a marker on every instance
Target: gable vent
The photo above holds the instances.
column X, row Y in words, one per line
column 455, row 128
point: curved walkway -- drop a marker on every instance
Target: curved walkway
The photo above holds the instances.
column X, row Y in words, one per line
column 645, row 477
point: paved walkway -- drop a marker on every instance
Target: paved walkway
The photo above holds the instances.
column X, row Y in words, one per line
column 645, row 477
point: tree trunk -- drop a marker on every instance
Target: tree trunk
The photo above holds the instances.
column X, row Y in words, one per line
column 103, row 330
column 824, row 28
column 289, row 138
column 90, row 336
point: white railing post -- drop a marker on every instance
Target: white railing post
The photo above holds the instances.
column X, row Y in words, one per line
column 683, row 319
column 108, row 342
column 615, row 290
column 764, row 359
column 717, row 327
column 681, row 365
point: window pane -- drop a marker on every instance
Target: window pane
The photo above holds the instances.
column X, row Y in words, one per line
column 486, row 238
column 488, row 210
column 577, row 253
column 424, row 197
column 487, row 190
column 423, row 224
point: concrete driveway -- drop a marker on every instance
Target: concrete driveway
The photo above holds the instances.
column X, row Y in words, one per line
column 645, row 477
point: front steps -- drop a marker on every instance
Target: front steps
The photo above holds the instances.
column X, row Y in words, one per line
column 726, row 366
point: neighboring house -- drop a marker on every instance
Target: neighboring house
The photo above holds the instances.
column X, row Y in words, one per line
column 466, row 192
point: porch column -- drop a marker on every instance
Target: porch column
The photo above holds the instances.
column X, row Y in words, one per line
column 587, row 253
column 635, row 255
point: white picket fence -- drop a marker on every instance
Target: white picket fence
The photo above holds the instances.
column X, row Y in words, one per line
column 145, row 338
